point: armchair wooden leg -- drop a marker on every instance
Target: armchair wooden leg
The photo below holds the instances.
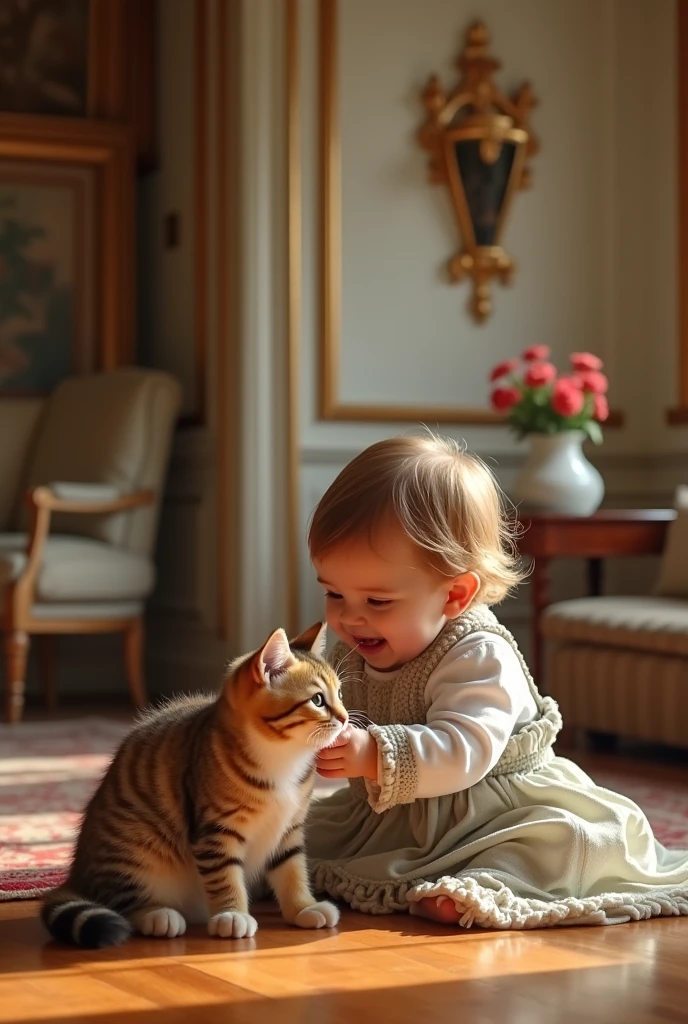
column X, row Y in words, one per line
column 133, row 661
column 16, row 644
column 47, row 652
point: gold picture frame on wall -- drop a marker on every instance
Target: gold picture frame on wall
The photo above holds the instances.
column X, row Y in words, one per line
column 66, row 249
column 331, row 406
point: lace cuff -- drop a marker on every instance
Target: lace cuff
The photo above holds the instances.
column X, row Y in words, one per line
column 396, row 769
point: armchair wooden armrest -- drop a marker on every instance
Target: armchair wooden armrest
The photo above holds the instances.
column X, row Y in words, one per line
column 44, row 502
column 45, row 498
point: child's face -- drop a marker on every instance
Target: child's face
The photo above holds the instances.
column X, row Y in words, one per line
column 385, row 600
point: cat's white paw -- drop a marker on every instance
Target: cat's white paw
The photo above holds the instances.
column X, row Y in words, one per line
column 231, row 924
column 164, row 923
column 319, row 915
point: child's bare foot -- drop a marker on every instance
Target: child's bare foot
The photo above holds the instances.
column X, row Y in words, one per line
column 436, row 908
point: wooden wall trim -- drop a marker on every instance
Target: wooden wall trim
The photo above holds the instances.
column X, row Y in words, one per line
column 294, row 251
column 228, row 527
column 198, row 417
column 679, row 414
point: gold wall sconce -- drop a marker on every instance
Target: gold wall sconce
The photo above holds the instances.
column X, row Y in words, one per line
column 480, row 141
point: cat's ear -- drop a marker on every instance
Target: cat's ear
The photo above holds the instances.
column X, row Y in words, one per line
column 275, row 658
column 312, row 640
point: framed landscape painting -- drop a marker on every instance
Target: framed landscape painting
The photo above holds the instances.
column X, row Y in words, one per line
column 47, row 255
column 66, row 254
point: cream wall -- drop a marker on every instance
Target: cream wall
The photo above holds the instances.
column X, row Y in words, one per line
column 594, row 239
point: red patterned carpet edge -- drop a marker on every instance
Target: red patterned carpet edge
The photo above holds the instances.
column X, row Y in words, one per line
column 48, row 771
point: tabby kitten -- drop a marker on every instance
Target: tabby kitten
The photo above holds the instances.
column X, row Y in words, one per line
column 205, row 796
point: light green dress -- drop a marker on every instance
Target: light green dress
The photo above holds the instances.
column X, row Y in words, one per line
column 535, row 843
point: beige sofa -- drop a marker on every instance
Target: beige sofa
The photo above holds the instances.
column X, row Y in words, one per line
column 619, row 665
column 81, row 479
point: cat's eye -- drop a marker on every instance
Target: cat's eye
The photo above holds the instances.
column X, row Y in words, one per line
column 340, row 695
column 318, row 700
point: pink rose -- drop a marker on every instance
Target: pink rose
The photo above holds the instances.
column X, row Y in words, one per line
column 504, row 398
column 601, row 408
column 536, row 352
column 502, row 369
column 540, row 374
column 582, row 361
column 567, row 399
column 593, row 380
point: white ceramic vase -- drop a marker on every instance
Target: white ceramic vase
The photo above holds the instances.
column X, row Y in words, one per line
column 557, row 477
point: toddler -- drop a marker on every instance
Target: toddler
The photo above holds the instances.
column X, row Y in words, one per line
column 457, row 808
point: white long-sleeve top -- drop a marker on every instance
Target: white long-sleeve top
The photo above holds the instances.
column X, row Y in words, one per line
column 476, row 698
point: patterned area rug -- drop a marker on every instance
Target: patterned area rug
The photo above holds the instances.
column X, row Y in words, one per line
column 48, row 770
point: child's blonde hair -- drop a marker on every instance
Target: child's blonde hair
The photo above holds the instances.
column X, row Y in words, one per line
column 445, row 499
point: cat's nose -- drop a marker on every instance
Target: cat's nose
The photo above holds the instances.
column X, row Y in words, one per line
column 342, row 718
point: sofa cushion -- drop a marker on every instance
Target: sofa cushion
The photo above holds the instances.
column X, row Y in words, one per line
column 632, row 693
column 657, row 624
column 79, row 569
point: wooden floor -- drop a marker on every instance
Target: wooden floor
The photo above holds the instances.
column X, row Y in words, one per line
column 395, row 969
column 370, row 971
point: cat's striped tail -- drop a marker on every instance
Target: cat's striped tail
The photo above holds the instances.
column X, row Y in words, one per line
column 72, row 919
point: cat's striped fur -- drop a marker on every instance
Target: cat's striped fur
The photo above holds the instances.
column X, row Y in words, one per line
column 205, row 796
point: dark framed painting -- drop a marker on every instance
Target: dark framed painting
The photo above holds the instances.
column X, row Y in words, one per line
column 66, row 252
column 44, row 56
column 81, row 58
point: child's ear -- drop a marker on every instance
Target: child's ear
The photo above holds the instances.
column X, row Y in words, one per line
column 461, row 594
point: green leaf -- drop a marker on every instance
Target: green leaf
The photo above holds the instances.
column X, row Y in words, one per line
column 594, row 431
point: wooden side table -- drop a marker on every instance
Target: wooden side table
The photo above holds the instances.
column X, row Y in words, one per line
column 606, row 534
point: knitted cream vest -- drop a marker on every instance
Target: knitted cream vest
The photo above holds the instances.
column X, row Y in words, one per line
column 400, row 701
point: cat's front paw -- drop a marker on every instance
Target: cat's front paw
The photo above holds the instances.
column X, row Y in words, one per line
column 231, row 924
column 318, row 915
column 163, row 923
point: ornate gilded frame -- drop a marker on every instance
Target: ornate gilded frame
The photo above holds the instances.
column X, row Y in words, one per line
column 501, row 125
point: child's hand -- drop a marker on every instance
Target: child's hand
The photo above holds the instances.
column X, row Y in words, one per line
column 353, row 756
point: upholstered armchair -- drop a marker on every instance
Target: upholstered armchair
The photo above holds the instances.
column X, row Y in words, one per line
column 81, row 480
column 619, row 665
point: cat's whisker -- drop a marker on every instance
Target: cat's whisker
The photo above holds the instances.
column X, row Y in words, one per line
column 348, row 673
column 362, row 722
column 347, row 679
column 360, row 716
column 315, row 737
column 347, row 655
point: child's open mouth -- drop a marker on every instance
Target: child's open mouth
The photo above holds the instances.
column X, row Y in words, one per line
column 369, row 645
